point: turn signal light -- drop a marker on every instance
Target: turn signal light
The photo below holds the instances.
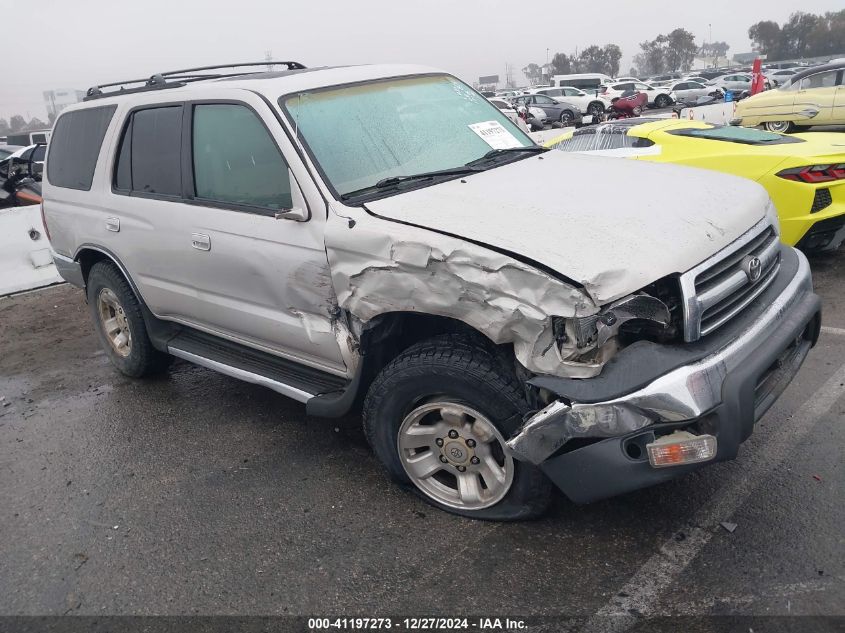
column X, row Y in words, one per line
column 815, row 173
column 681, row 448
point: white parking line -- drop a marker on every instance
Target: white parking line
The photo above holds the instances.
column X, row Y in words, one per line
column 837, row 331
column 642, row 593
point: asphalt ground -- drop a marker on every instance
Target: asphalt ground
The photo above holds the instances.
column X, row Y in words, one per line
column 198, row 494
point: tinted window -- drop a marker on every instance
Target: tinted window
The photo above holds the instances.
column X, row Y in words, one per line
column 735, row 134
column 236, row 161
column 156, row 151
column 75, row 146
column 681, row 86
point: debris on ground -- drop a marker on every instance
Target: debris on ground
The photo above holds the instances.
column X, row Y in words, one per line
column 817, row 477
column 729, row 527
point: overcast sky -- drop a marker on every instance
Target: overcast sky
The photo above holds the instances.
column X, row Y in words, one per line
column 77, row 43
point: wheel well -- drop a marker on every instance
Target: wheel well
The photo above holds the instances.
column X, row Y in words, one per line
column 87, row 257
column 388, row 335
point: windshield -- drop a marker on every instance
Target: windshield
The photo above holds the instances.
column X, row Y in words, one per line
column 745, row 135
column 363, row 134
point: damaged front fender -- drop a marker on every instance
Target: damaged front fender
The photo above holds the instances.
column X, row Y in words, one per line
column 380, row 267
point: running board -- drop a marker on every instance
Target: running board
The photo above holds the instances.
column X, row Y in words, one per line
column 244, row 363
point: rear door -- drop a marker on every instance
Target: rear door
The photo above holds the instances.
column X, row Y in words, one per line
column 202, row 184
column 818, row 93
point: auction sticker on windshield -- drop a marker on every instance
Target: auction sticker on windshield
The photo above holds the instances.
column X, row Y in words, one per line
column 495, row 135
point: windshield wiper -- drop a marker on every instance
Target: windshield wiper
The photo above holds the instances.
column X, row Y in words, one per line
column 493, row 153
column 395, row 180
column 392, row 181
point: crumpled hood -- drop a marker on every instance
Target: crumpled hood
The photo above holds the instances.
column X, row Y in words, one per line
column 614, row 226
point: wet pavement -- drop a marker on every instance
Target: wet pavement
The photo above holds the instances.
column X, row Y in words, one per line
column 198, row 494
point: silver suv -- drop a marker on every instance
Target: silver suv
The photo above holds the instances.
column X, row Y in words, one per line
column 382, row 238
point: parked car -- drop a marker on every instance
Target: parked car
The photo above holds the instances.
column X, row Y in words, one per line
column 29, row 138
column 777, row 77
column 505, row 106
column 586, row 103
column 8, row 150
column 737, row 83
column 804, row 174
column 687, row 90
column 556, row 111
column 814, row 96
column 664, row 78
column 20, row 177
column 657, row 97
column 626, row 79
column 588, row 82
column 272, row 228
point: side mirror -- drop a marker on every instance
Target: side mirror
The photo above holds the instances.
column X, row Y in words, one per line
column 297, row 214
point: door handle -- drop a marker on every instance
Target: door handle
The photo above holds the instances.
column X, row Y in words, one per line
column 201, row 241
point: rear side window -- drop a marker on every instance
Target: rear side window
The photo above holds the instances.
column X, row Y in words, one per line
column 150, row 153
column 75, row 146
column 235, row 159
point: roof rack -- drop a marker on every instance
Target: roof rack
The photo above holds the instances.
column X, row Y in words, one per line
column 178, row 78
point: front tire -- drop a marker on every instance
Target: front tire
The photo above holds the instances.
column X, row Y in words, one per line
column 438, row 417
column 567, row 118
column 595, row 109
column 119, row 323
column 781, row 127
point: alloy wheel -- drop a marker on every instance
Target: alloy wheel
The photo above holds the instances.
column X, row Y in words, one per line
column 455, row 455
column 114, row 322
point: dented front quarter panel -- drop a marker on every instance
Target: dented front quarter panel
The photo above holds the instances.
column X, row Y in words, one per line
column 380, row 267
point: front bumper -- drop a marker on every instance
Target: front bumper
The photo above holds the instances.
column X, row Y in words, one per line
column 721, row 394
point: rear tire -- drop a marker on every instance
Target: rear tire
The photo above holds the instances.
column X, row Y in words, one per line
column 781, row 127
column 452, row 395
column 120, row 325
column 662, row 101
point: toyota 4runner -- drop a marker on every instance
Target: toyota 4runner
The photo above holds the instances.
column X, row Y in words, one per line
column 383, row 238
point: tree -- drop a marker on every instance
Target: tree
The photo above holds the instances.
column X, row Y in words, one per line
column 795, row 34
column 765, row 38
column 532, row 72
column 680, row 50
column 612, row 56
column 35, row 124
column 561, row 64
column 652, row 59
column 592, row 59
column 714, row 50
column 16, row 123
column 4, row 127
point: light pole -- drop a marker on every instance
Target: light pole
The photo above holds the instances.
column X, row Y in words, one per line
column 710, row 41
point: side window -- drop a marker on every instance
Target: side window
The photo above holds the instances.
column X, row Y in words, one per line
column 150, row 152
column 642, row 87
column 75, row 147
column 236, row 160
column 820, row 80
column 683, row 86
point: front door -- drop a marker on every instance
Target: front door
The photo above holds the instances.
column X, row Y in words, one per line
column 217, row 258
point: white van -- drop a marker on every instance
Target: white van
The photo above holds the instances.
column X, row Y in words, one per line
column 585, row 81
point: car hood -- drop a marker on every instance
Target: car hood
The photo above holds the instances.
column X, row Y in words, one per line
column 579, row 215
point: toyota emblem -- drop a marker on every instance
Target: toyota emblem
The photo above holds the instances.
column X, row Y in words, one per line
column 753, row 268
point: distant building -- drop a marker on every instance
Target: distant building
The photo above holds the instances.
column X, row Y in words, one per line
column 745, row 59
column 57, row 100
column 701, row 62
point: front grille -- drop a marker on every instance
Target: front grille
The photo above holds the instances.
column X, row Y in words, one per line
column 822, row 200
column 718, row 289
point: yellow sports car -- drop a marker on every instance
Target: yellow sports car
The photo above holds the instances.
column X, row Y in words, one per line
column 803, row 173
column 815, row 96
